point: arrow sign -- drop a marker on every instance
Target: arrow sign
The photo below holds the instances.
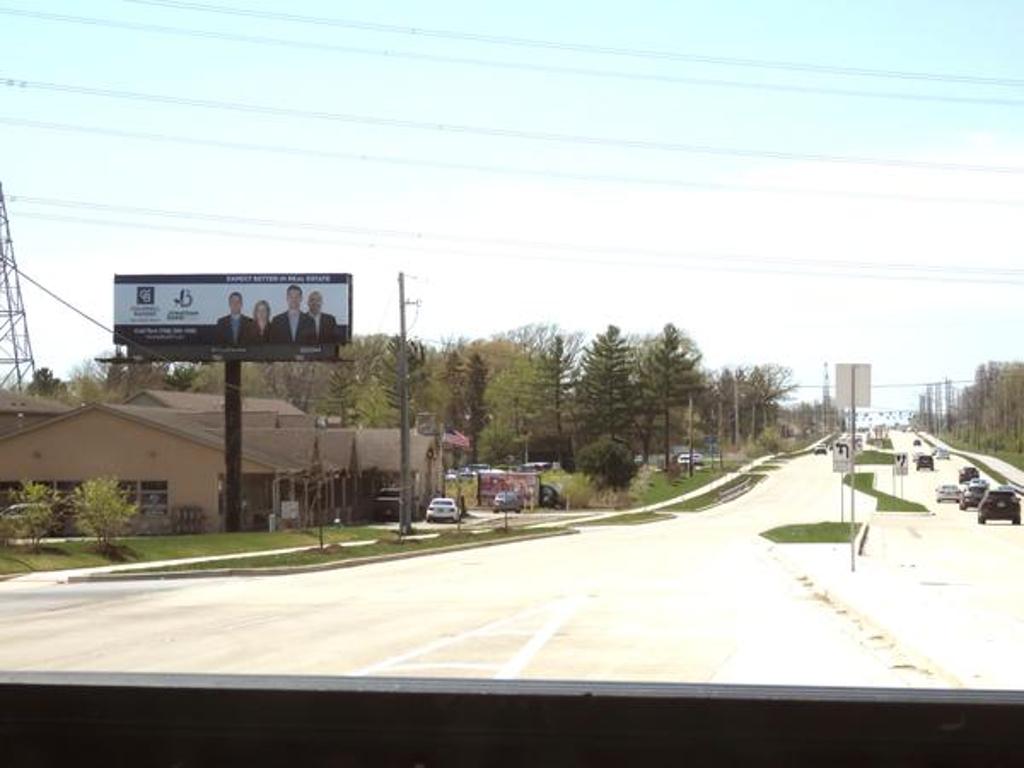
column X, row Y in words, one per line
column 841, row 458
column 901, row 465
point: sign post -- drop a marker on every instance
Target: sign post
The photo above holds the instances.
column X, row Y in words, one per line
column 900, row 466
column 853, row 390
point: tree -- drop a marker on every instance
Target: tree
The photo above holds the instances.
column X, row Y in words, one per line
column 102, row 510
column 513, row 400
column 45, row 384
column 476, row 401
column 608, row 462
column 182, row 377
column 606, row 393
column 673, row 360
column 341, row 396
column 36, row 520
column 645, row 396
column 454, row 378
column 557, row 381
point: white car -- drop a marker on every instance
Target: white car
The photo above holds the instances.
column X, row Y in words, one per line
column 947, row 493
column 941, row 453
column 443, row 509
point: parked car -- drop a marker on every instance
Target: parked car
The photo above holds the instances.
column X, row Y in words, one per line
column 971, row 497
column 1000, row 503
column 476, row 469
column 507, row 501
column 551, row 497
column 451, row 475
column 924, row 461
column 443, row 509
column 947, row 493
column 387, row 505
column 968, row 473
column 821, row 450
column 684, row 459
column 941, row 453
column 535, row 466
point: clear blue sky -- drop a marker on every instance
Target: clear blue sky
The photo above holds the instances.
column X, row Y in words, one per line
column 767, row 309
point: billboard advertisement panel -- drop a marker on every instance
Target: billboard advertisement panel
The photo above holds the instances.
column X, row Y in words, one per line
column 526, row 484
column 233, row 317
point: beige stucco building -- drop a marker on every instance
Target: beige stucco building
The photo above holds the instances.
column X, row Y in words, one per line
column 170, row 460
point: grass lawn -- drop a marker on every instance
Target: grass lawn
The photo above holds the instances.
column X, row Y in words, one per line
column 629, row 518
column 334, row 554
column 886, row 502
column 710, row 498
column 886, row 444
column 768, row 467
column 810, row 533
column 1010, row 457
column 664, row 487
column 875, row 457
column 995, row 474
column 83, row 554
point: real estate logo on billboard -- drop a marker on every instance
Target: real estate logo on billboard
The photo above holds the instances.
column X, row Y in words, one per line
column 233, row 317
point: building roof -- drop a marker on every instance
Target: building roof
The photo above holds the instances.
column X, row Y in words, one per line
column 16, row 402
column 203, row 401
column 381, row 448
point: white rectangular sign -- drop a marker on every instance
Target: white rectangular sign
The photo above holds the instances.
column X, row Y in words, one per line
column 901, row 464
column 848, row 377
column 841, row 461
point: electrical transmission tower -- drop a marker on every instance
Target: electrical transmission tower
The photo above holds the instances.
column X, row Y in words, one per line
column 16, row 364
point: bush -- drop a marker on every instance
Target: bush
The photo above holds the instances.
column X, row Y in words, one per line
column 769, row 441
column 36, row 520
column 642, row 483
column 8, row 531
column 608, row 462
column 102, row 510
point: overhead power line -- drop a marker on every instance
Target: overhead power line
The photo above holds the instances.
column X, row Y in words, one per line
column 493, row 132
column 603, row 50
column 529, row 67
column 592, row 255
column 501, row 169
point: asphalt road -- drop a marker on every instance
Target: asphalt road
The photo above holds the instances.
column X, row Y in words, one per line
column 700, row 598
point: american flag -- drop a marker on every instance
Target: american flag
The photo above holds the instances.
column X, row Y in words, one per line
column 455, row 439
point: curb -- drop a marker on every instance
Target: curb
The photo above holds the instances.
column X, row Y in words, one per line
column 600, row 523
column 300, row 569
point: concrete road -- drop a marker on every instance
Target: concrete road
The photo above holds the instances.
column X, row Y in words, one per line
column 700, row 598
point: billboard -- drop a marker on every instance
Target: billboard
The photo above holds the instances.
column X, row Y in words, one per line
column 233, row 317
column 526, row 484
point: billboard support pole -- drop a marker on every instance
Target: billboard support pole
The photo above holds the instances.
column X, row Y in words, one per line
column 233, row 445
column 405, row 505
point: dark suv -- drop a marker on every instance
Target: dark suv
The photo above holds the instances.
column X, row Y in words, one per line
column 999, row 504
column 972, row 496
column 924, row 461
column 967, row 474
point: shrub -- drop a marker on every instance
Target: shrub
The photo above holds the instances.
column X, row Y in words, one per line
column 642, row 482
column 36, row 520
column 608, row 462
column 8, row 531
column 769, row 441
column 102, row 510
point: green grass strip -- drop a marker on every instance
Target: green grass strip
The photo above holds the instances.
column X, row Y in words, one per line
column 811, row 533
column 886, row 444
column 886, row 502
column 710, row 498
column 875, row 457
column 996, row 475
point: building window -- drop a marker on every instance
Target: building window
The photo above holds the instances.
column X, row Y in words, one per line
column 153, row 497
column 130, row 489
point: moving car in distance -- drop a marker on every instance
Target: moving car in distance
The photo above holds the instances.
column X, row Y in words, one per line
column 507, row 501
column 1000, row 503
column 443, row 509
column 941, row 453
column 924, row 461
column 967, row 474
column 821, row 450
column 917, row 442
column 971, row 497
column 947, row 493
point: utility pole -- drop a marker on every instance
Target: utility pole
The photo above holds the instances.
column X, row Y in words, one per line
column 735, row 408
column 232, row 445
column 17, row 367
column 405, row 496
column 690, row 437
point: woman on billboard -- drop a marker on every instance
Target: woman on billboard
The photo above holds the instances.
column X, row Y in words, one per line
column 260, row 322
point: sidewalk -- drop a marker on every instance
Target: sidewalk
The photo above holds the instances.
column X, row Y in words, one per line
column 943, row 631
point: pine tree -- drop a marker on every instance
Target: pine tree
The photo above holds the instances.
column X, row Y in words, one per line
column 476, row 407
column 558, row 380
column 606, row 391
column 454, row 378
column 673, row 360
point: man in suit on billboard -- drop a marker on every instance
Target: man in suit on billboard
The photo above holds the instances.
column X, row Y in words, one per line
column 293, row 326
column 325, row 323
column 234, row 328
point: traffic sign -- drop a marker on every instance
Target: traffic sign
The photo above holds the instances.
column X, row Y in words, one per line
column 841, row 458
column 901, row 465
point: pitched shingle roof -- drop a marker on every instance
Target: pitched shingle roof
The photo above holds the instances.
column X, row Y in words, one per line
column 203, row 401
column 16, row 402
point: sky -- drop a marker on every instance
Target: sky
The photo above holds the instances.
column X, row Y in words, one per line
column 520, row 183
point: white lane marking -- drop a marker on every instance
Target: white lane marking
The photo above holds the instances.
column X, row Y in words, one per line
column 423, row 650
column 516, row 664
